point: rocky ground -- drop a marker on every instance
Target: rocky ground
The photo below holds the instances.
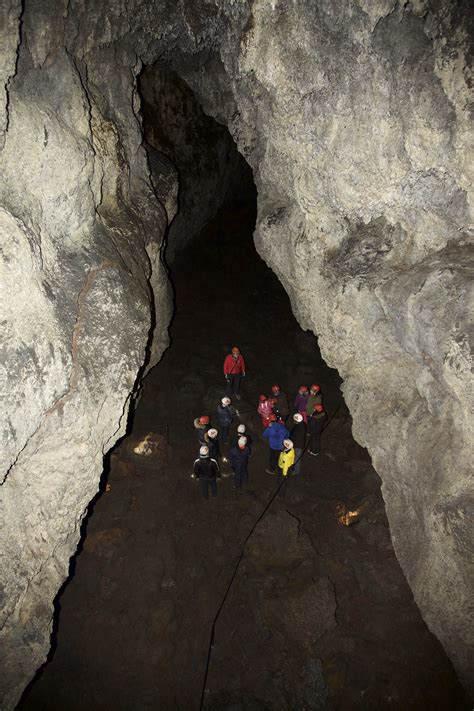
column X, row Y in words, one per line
column 319, row 615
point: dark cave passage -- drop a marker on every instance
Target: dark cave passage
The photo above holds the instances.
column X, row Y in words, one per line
column 320, row 614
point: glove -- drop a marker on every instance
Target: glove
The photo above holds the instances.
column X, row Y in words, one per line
column 193, row 476
column 243, row 375
column 237, row 413
column 227, row 378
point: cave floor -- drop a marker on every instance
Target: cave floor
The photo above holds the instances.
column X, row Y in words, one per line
column 319, row 615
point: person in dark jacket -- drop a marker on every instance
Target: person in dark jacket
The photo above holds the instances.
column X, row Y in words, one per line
column 275, row 433
column 207, row 471
column 315, row 397
column 202, row 425
column 239, row 459
column 281, row 408
column 316, row 425
column 225, row 417
column 234, row 371
column 212, row 441
column 242, row 431
column 298, row 437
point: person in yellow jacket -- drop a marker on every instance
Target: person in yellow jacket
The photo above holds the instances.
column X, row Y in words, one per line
column 285, row 462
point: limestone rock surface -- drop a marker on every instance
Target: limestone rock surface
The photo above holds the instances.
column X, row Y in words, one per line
column 355, row 119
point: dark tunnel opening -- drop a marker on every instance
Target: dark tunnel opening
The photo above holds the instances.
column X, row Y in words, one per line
column 319, row 614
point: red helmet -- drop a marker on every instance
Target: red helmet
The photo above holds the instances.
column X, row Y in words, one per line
column 273, row 418
column 204, row 420
column 262, row 398
column 276, row 388
column 303, row 389
column 315, row 388
column 318, row 408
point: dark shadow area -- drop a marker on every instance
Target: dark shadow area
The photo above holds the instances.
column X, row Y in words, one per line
column 319, row 614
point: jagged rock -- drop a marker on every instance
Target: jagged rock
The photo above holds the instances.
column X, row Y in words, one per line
column 354, row 117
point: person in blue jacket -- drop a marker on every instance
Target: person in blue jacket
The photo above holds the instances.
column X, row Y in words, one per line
column 275, row 433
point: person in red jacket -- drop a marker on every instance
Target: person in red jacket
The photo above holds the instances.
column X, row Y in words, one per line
column 234, row 371
column 265, row 409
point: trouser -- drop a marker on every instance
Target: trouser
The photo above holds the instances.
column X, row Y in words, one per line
column 240, row 478
column 205, row 484
column 233, row 383
column 315, row 442
column 273, row 456
column 224, row 431
column 295, row 469
column 284, row 479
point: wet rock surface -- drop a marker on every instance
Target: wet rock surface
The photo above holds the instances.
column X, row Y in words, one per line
column 319, row 615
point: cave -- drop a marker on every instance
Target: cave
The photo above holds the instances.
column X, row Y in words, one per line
column 294, row 179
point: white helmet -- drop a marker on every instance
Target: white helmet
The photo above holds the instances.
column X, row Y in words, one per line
column 242, row 441
column 288, row 444
column 212, row 433
column 241, row 429
column 298, row 417
column 225, row 401
column 204, row 451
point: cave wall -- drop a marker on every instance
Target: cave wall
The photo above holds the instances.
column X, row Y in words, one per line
column 81, row 231
column 354, row 117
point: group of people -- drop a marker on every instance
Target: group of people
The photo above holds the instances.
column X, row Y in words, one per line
column 286, row 437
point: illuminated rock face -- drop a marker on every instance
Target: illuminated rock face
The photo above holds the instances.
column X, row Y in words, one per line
column 354, row 119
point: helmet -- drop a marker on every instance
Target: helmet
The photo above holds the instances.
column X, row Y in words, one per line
column 275, row 388
column 204, row 451
column 241, row 429
column 225, row 401
column 315, row 388
column 273, row 418
column 242, row 442
column 235, row 350
column 303, row 389
column 318, row 408
column 297, row 418
column 262, row 398
column 288, row 444
column 204, row 420
column 212, row 433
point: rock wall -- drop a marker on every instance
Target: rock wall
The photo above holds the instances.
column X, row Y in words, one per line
column 81, row 230
column 354, row 117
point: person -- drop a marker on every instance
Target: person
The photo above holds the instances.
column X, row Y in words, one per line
column 207, row 471
column 242, row 431
column 315, row 397
column 265, row 409
column 285, row 462
column 239, row 459
column 202, row 425
column 275, row 433
column 301, row 401
column 281, row 403
column 225, row 417
column 316, row 425
column 298, row 437
column 212, row 441
column 234, row 371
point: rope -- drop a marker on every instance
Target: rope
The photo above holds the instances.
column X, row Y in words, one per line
column 239, row 560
